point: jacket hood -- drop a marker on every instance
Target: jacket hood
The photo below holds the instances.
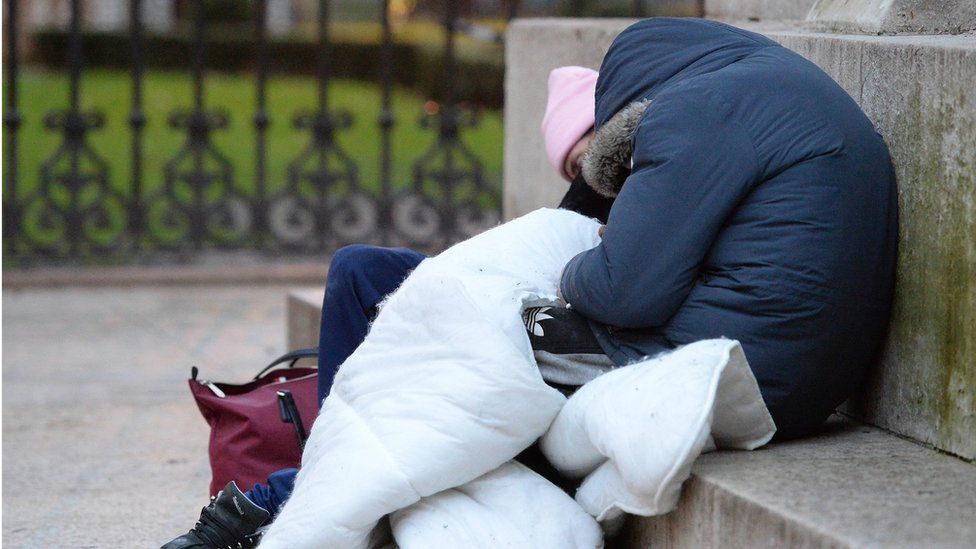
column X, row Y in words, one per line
column 657, row 53
column 645, row 59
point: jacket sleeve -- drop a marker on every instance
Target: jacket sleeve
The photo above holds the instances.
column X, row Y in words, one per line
column 692, row 165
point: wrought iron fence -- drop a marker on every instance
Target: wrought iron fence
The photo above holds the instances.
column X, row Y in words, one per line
column 73, row 212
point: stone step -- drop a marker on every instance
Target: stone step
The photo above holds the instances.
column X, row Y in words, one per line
column 851, row 486
column 303, row 309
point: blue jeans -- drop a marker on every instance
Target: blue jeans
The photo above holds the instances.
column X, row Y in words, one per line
column 359, row 278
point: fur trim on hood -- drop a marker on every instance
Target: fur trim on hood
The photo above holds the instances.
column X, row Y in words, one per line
column 606, row 163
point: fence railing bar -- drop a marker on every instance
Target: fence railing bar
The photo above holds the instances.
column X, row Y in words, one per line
column 261, row 119
column 137, row 122
column 199, row 49
column 637, row 8
column 450, row 60
column 449, row 120
column 74, row 123
column 323, row 127
column 386, row 120
column 74, row 55
column 200, row 133
column 11, row 123
column 511, row 9
column 323, row 63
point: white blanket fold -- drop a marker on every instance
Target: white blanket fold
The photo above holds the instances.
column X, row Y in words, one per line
column 510, row 507
column 444, row 391
column 635, row 432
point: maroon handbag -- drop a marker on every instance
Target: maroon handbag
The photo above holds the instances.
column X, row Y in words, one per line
column 259, row 427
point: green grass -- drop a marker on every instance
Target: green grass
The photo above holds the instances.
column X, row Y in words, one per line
column 164, row 92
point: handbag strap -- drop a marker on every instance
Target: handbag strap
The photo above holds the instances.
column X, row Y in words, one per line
column 291, row 357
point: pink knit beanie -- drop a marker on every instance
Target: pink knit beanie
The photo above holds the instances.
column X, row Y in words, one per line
column 569, row 112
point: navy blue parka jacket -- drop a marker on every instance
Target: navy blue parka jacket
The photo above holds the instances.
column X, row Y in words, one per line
column 760, row 205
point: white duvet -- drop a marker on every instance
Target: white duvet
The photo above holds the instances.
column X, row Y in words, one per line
column 417, row 436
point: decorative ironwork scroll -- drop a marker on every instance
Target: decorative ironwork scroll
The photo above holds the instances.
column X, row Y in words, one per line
column 198, row 202
column 73, row 210
column 322, row 205
column 448, row 200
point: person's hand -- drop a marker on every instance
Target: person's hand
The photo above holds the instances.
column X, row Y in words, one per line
column 599, row 232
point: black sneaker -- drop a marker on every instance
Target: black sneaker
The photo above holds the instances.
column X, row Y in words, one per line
column 230, row 521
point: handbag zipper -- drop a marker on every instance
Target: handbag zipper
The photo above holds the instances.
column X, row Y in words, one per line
column 216, row 390
column 213, row 388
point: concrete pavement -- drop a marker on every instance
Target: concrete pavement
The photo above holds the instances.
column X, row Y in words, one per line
column 102, row 443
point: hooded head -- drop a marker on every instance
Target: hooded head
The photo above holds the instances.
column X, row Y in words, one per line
column 657, row 53
column 645, row 59
column 569, row 113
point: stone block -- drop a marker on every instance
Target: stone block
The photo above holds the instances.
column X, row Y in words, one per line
column 529, row 57
column 304, row 311
column 758, row 10
column 918, row 91
column 894, row 16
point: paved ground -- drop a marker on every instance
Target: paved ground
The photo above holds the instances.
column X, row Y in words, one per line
column 102, row 443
